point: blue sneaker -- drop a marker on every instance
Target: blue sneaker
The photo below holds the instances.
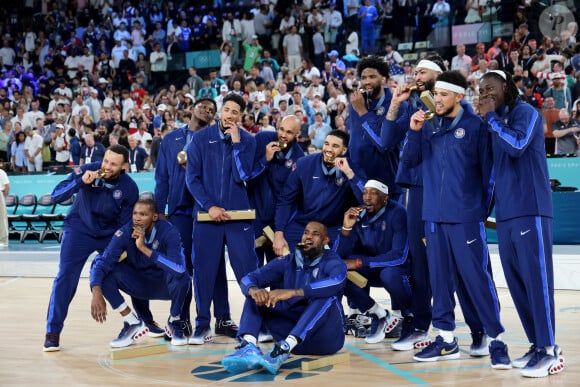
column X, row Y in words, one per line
column 51, row 342
column 273, row 361
column 247, row 357
column 174, row 329
column 498, row 352
column 478, row 347
column 543, row 363
column 439, row 349
column 521, row 362
column 129, row 334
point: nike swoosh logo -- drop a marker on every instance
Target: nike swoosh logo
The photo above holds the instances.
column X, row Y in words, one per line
column 212, row 141
column 522, row 233
column 316, row 177
column 178, row 138
column 364, row 225
column 471, row 241
column 445, row 352
column 246, row 228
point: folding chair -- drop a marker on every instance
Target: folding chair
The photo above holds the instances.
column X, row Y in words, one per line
column 20, row 224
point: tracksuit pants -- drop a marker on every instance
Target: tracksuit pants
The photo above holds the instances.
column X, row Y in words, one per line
column 318, row 323
column 525, row 250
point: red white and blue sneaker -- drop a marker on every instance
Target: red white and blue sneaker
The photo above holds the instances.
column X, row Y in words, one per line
column 411, row 338
column 154, row 329
column 201, row 336
column 394, row 326
column 521, row 362
column 479, row 346
column 544, row 363
column 439, row 350
column 247, row 357
column 174, row 329
column 377, row 333
column 129, row 334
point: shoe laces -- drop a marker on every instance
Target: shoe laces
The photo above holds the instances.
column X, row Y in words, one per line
column 277, row 351
column 152, row 323
column 538, row 355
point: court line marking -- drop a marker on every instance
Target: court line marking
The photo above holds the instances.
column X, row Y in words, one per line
column 389, row 367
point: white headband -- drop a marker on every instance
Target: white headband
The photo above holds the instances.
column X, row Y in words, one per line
column 429, row 65
column 449, row 86
column 500, row 73
column 377, row 185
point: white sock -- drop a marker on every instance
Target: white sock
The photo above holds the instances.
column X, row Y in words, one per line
column 131, row 319
column 292, row 342
column 447, row 336
column 174, row 318
column 250, row 339
column 495, row 338
column 352, row 311
column 121, row 307
column 550, row 349
column 376, row 309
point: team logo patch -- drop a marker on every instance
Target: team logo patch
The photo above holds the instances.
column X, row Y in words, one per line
column 339, row 181
column 155, row 244
column 118, row 233
column 289, row 163
column 459, row 133
column 117, row 194
column 380, row 111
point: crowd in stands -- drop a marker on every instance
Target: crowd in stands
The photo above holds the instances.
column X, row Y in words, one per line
column 78, row 75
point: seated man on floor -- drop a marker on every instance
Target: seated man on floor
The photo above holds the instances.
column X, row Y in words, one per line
column 304, row 313
column 145, row 260
column 373, row 241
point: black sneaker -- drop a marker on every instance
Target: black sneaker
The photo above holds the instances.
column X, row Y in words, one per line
column 358, row 325
column 51, row 342
column 226, row 328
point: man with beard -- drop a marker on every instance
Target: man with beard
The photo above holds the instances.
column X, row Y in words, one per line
column 304, row 313
column 220, row 159
column 277, row 154
column 524, row 218
column 171, row 192
column 104, row 202
column 322, row 187
column 373, row 241
column 404, row 104
column 153, row 269
column 377, row 157
column 454, row 153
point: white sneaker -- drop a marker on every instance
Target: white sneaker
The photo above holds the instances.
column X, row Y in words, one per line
column 129, row 334
column 414, row 340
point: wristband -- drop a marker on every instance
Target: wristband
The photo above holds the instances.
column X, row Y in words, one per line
column 346, row 228
column 358, row 263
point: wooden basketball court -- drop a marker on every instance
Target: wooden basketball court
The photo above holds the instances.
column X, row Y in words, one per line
column 84, row 358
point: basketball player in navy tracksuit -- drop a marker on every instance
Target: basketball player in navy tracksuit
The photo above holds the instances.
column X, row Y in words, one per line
column 524, row 217
column 377, row 159
column 274, row 165
column 101, row 206
column 321, row 188
column 153, row 269
column 220, row 160
column 304, row 314
column 415, row 329
column 373, row 241
column 454, row 152
column 171, row 192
